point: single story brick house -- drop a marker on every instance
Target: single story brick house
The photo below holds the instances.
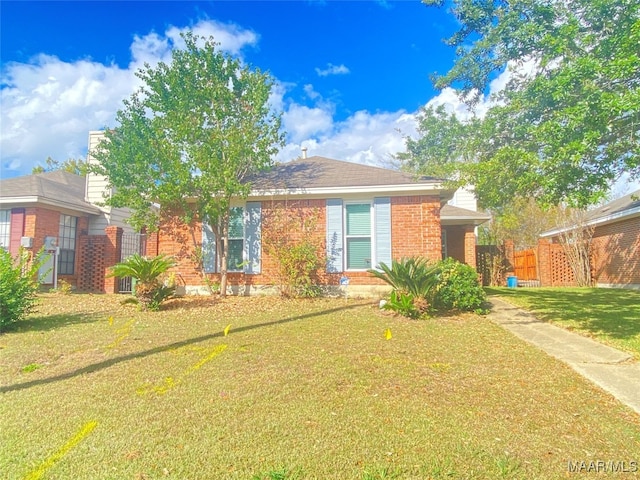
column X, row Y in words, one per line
column 57, row 209
column 361, row 216
column 615, row 242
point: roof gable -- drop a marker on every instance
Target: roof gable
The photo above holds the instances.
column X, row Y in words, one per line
column 57, row 188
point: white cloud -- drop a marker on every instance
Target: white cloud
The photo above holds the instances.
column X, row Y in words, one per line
column 302, row 122
column 332, row 70
column 49, row 106
column 311, row 93
column 368, row 138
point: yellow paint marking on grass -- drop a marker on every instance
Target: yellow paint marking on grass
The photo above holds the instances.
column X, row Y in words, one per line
column 169, row 382
column 214, row 353
column 387, row 334
column 122, row 332
column 226, row 330
column 49, row 462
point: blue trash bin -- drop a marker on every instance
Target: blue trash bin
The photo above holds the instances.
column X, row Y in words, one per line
column 512, row 282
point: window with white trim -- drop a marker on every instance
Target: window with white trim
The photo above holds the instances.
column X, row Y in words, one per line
column 67, row 244
column 358, row 236
column 236, row 239
column 244, row 238
column 5, row 228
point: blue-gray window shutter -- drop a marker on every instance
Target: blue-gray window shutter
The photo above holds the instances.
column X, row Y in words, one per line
column 208, row 249
column 252, row 241
column 334, row 235
column 382, row 223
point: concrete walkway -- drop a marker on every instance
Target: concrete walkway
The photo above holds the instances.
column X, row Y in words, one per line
column 612, row 370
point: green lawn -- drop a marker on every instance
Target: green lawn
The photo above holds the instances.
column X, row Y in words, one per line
column 90, row 389
column 609, row 315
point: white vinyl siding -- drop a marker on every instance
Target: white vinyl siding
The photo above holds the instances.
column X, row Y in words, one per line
column 5, row 228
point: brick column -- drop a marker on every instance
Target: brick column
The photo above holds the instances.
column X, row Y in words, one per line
column 544, row 262
column 91, row 274
column 470, row 246
column 152, row 244
column 112, row 252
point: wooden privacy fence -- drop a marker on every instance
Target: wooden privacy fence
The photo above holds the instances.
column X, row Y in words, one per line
column 544, row 265
column 525, row 265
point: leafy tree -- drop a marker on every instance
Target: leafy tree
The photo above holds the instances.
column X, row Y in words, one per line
column 444, row 141
column 71, row 165
column 567, row 123
column 522, row 221
column 189, row 139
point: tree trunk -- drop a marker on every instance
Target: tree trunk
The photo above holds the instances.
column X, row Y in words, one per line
column 224, row 237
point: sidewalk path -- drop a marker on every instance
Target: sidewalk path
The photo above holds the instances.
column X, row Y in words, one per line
column 612, row 370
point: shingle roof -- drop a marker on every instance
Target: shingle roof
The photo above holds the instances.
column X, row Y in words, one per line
column 58, row 187
column 455, row 215
column 620, row 209
column 617, row 207
column 322, row 172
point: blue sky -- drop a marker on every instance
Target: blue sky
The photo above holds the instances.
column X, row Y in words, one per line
column 350, row 75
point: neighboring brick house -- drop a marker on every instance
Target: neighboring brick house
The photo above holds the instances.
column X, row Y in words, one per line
column 362, row 216
column 615, row 242
column 58, row 206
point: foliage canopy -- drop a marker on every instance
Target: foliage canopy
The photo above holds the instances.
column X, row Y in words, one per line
column 71, row 165
column 567, row 123
column 189, row 139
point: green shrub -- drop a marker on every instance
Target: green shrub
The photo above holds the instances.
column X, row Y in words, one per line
column 149, row 291
column 413, row 280
column 63, row 288
column 18, row 286
column 298, row 265
column 291, row 242
column 420, row 286
column 403, row 303
column 458, row 287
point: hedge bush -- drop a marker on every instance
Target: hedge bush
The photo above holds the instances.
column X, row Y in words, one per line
column 18, row 286
column 421, row 286
column 458, row 288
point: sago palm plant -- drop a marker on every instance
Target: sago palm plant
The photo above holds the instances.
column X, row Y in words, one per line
column 149, row 290
column 413, row 279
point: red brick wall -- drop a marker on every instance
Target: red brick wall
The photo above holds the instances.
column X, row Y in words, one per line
column 92, row 263
column 616, row 253
column 39, row 223
column 415, row 230
column 42, row 222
